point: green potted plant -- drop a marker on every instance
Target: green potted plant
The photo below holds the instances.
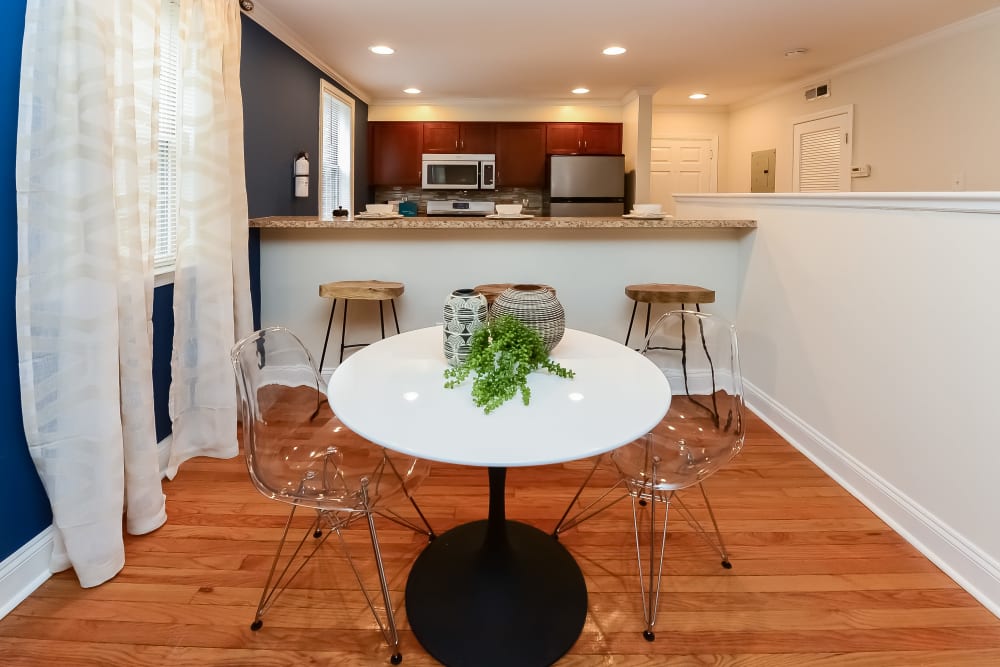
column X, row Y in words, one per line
column 501, row 355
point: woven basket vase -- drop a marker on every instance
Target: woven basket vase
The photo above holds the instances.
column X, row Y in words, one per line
column 536, row 307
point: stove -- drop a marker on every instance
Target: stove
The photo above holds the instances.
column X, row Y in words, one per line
column 459, row 207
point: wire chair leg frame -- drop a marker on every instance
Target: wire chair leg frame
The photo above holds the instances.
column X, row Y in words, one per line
column 651, row 592
column 409, row 496
column 271, row 592
column 718, row 545
column 388, row 629
column 586, row 513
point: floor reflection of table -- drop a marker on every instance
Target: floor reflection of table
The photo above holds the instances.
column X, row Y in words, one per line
column 497, row 592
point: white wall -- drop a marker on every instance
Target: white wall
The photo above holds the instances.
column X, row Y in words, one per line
column 869, row 335
column 925, row 111
column 588, row 268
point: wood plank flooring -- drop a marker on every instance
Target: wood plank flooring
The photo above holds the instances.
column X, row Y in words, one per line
column 817, row 580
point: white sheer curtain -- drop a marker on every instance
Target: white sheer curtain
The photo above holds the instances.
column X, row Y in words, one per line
column 84, row 178
column 211, row 283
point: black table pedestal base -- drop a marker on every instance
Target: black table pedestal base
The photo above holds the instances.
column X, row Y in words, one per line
column 496, row 598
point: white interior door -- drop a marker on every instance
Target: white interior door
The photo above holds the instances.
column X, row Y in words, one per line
column 682, row 166
column 821, row 152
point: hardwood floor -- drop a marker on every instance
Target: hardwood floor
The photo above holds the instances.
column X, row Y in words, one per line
column 817, row 579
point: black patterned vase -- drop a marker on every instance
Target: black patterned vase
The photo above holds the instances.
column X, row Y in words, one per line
column 465, row 313
column 537, row 307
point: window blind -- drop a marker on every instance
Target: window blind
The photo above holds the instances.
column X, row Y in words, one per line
column 167, row 118
column 335, row 151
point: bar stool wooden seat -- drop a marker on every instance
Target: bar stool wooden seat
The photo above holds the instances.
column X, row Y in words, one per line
column 358, row 290
column 492, row 290
column 650, row 293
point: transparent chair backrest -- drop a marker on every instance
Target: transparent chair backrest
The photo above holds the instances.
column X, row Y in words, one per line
column 705, row 426
column 296, row 449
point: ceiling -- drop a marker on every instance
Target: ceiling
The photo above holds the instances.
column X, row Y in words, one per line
column 536, row 51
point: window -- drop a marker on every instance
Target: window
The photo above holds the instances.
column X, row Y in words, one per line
column 336, row 182
column 166, row 176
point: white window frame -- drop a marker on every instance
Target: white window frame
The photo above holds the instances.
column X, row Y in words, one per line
column 328, row 88
column 166, row 183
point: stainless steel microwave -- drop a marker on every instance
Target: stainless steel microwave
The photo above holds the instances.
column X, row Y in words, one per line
column 458, row 171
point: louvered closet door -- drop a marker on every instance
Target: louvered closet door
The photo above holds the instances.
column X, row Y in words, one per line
column 822, row 155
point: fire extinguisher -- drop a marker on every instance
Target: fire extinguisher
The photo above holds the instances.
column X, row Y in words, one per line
column 301, row 171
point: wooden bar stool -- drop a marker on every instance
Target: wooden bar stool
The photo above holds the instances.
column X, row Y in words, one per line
column 650, row 293
column 492, row 290
column 360, row 290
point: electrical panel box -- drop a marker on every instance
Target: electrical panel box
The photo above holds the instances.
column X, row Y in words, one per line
column 762, row 171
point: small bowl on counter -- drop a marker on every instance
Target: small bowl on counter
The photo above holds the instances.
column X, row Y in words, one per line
column 508, row 209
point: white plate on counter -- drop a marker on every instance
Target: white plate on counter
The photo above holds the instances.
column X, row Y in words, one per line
column 509, row 216
column 646, row 216
column 376, row 216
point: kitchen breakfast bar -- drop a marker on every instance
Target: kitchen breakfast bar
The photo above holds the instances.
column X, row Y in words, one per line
column 588, row 261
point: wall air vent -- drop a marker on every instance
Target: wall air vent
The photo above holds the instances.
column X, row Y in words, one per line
column 822, row 90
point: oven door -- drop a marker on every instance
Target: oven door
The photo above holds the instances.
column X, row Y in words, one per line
column 451, row 175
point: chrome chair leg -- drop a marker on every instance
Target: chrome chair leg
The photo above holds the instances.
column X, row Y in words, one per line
column 388, row 629
column 586, row 513
column 718, row 545
column 409, row 496
column 275, row 586
column 649, row 581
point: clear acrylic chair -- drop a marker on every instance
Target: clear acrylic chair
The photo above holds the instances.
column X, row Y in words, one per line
column 298, row 452
column 703, row 430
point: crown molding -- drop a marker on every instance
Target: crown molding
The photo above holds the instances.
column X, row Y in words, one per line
column 693, row 108
column 494, row 102
column 945, row 32
column 265, row 19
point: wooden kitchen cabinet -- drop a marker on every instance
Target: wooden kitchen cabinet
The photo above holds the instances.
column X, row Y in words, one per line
column 520, row 151
column 452, row 137
column 394, row 150
column 583, row 138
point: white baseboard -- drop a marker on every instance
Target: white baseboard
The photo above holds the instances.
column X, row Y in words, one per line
column 25, row 570
column 973, row 570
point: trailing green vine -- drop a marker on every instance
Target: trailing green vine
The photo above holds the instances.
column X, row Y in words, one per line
column 501, row 355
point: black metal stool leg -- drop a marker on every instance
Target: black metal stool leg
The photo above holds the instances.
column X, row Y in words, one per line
column 381, row 318
column 649, row 309
column 635, row 304
column 326, row 340
column 392, row 302
column 343, row 330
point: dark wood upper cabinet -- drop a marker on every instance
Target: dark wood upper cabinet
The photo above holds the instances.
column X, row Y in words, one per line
column 450, row 137
column 520, row 150
column 583, row 138
column 394, row 149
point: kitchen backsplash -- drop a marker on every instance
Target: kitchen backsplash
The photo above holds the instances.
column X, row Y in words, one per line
column 537, row 199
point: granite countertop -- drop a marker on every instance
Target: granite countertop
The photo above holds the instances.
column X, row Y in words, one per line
column 455, row 222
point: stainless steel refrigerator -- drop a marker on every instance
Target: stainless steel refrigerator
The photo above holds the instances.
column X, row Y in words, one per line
column 586, row 185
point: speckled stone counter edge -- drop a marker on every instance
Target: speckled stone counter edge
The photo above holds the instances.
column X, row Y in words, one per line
column 306, row 222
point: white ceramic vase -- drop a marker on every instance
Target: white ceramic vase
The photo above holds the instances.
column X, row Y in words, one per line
column 465, row 313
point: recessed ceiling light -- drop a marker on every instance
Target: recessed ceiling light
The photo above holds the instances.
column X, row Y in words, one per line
column 580, row 91
column 697, row 96
column 382, row 50
column 796, row 53
column 412, row 91
column 614, row 51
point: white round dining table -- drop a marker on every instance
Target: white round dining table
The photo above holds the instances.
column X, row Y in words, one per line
column 497, row 592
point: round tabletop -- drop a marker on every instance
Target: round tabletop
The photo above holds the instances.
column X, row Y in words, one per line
column 392, row 392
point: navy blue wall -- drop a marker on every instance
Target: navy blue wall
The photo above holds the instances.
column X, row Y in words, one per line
column 280, row 119
column 24, row 508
